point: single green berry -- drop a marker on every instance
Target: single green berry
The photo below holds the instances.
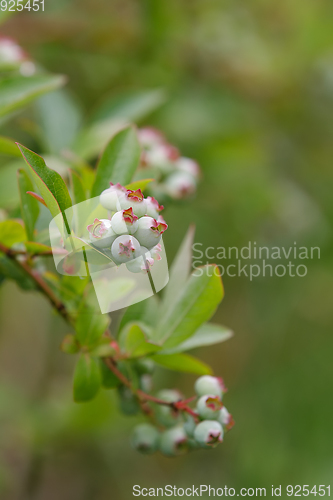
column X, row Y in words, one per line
column 188, row 166
column 134, row 200
column 189, row 425
column 209, row 407
column 124, row 222
column 180, row 185
column 124, row 249
column 209, row 385
column 145, row 438
column 208, row 434
column 153, row 207
column 150, row 231
column 141, row 264
column 225, row 418
column 167, row 415
column 101, row 233
column 174, row 442
column 110, row 198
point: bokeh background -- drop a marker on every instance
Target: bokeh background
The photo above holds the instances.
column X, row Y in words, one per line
column 249, row 94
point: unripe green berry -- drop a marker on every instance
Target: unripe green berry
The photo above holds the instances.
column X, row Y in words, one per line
column 153, row 207
column 225, row 419
column 209, row 385
column 189, row 425
column 124, row 249
column 208, row 434
column 145, row 438
column 174, row 442
column 124, row 222
column 134, row 200
column 180, row 185
column 209, row 406
column 166, row 415
column 110, row 197
column 141, row 264
column 150, row 231
column 101, row 233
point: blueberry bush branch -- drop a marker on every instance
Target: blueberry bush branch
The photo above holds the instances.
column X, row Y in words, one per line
column 123, row 230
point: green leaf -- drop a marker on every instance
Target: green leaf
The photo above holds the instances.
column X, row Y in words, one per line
column 70, row 345
column 8, row 147
column 50, row 184
column 131, row 106
column 78, row 191
column 134, row 342
column 90, row 325
column 141, row 184
column 145, row 311
column 109, row 380
column 17, row 91
column 36, row 248
column 12, row 232
column 9, row 194
column 208, row 334
column 29, row 206
column 180, row 270
column 87, row 378
column 59, row 120
column 182, row 363
column 118, row 162
column 195, row 305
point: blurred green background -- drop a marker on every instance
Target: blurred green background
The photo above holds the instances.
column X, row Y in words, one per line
column 249, row 90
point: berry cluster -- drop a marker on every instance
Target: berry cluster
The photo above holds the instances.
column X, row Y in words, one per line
column 181, row 428
column 176, row 175
column 133, row 231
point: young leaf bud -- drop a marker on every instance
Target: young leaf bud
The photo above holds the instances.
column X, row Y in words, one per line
column 208, row 433
column 101, row 233
column 174, row 442
column 125, row 248
column 124, row 222
column 209, row 407
column 145, row 438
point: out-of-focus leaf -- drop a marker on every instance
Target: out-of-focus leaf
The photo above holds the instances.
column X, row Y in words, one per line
column 34, row 247
column 29, row 206
column 70, row 345
column 11, row 232
column 109, row 380
column 131, row 106
column 94, row 138
column 134, row 342
column 208, row 334
column 195, row 305
column 145, row 311
column 87, row 378
column 118, row 162
column 141, row 184
column 59, row 119
column 17, row 91
column 182, row 363
column 9, row 194
column 8, row 147
column 50, row 184
column 180, row 270
column 90, row 326
column 78, row 191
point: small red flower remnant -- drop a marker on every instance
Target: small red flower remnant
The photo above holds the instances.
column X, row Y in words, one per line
column 97, row 229
column 129, row 216
column 126, row 249
column 135, row 195
column 208, row 433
